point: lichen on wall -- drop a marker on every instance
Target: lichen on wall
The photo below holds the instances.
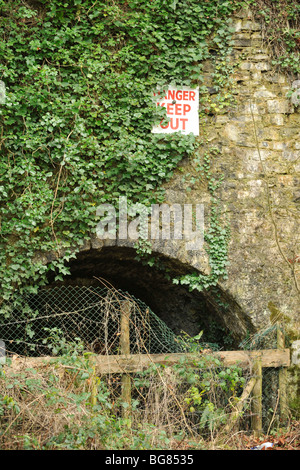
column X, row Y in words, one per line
column 258, row 141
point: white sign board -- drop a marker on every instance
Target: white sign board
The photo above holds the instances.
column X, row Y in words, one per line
column 182, row 111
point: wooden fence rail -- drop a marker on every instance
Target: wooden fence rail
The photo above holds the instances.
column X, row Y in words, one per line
column 139, row 362
column 127, row 363
column 131, row 363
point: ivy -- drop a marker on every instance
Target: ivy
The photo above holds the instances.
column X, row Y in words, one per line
column 281, row 23
column 217, row 234
column 76, row 124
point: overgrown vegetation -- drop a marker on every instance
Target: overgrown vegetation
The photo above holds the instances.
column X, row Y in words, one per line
column 280, row 20
column 75, row 133
column 65, row 405
column 217, row 234
column 76, row 125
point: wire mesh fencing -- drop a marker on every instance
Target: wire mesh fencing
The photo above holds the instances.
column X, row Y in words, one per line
column 87, row 314
column 44, row 324
column 271, row 404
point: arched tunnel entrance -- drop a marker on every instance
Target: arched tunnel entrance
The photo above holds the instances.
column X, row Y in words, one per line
column 216, row 314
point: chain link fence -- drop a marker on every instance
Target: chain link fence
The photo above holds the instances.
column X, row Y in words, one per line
column 268, row 339
column 87, row 314
column 44, row 323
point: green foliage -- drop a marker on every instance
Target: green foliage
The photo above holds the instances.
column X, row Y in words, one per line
column 76, row 125
column 211, row 387
column 204, row 390
column 281, row 19
column 217, row 235
column 53, row 410
column 64, row 405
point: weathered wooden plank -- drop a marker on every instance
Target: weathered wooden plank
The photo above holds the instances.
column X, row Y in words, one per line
column 139, row 362
column 125, row 350
column 282, row 377
column 256, row 420
column 269, row 357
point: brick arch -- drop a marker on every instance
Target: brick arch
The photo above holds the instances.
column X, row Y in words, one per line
column 214, row 312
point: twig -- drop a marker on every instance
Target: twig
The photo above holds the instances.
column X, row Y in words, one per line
column 274, row 413
column 269, row 200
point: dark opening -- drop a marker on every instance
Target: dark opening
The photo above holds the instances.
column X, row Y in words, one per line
column 215, row 313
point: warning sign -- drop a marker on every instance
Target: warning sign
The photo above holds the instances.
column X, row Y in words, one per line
column 182, row 111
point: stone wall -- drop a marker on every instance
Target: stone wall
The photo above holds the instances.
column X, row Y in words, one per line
column 259, row 143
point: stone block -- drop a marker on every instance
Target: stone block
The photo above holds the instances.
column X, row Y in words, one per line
column 264, row 93
column 274, row 119
column 237, row 25
column 278, row 106
column 295, row 347
column 256, row 77
column 257, row 35
column 250, row 25
column 244, row 12
column 279, row 145
column 258, row 155
column 269, row 134
column 246, row 66
column 260, row 57
column 241, row 76
column 276, row 78
column 255, row 188
column 241, row 43
column 252, row 108
column 291, row 156
column 262, row 66
column 221, row 119
column 232, row 132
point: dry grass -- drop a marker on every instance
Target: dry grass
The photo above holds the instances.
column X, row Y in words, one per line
column 64, row 405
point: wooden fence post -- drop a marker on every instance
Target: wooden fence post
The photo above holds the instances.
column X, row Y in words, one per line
column 282, row 376
column 257, row 399
column 125, row 349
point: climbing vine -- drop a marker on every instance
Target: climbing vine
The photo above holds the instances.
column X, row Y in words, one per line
column 75, row 127
column 216, row 235
column 76, row 123
column 280, row 21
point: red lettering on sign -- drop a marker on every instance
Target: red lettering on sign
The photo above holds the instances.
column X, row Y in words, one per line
column 171, row 94
column 183, row 123
column 170, row 108
column 185, row 95
column 175, row 123
column 179, row 95
column 174, row 127
column 178, row 109
column 186, row 108
column 192, row 95
column 164, row 127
